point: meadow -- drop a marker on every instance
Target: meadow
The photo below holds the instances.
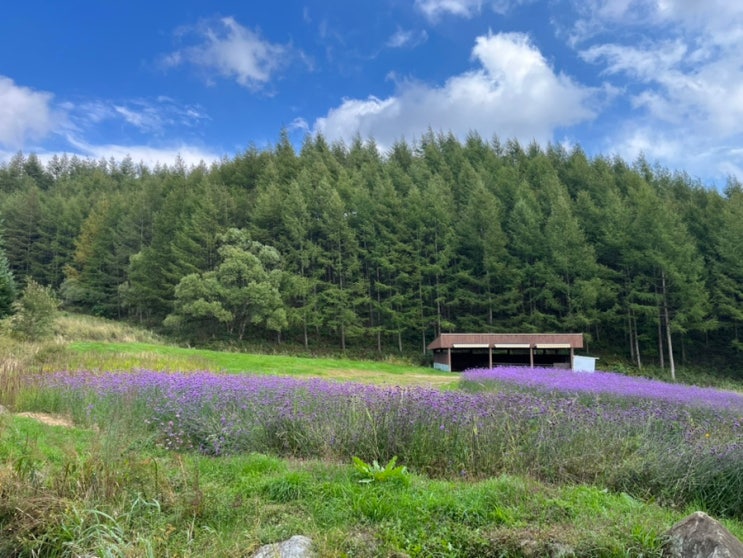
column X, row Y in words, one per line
column 180, row 460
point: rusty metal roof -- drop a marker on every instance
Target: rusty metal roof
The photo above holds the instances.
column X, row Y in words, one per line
column 505, row 340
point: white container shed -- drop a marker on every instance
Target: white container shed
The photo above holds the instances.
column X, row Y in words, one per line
column 584, row 363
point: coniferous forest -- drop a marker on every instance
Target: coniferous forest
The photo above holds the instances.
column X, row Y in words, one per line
column 348, row 246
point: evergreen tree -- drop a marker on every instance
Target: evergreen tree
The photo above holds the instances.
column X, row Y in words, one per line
column 7, row 282
column 100, row 261
column 727, row 280
column 34, row 312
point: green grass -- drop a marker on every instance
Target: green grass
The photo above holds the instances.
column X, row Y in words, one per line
column 122, row 356
column 70, row 491
column 105, row 499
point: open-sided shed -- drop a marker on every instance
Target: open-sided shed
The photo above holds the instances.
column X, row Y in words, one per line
column 454, row 352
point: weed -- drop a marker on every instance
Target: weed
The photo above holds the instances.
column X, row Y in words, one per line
column 374, row 472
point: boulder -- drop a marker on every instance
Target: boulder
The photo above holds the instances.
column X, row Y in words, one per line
column 700, row 536
column 297, row 547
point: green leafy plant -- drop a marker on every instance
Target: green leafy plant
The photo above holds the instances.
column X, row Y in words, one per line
column 34, row 313
column 374, row 472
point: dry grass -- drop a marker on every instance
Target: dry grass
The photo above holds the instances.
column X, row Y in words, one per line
column 75, row 327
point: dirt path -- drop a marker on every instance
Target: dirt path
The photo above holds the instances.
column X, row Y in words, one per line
column 51, row 420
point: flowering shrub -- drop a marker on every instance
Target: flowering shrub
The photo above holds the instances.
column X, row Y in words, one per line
column 608, row 383
column 669, row 446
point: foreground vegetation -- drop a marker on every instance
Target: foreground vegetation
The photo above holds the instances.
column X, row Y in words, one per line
column 184, row 462
column 71, row 492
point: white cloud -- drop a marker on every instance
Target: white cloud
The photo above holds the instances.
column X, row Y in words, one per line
column 146, row 116
column 699, row 156
column 513, row 93
column 149, row 155
column 434, row 9
column 680, row 69
column 30, row 121
column 190, row 155
column 25, row 114
column 721, row 18
column 232, row 51
column 406, row 38
column 689, row 80
column 641, row 62
column 299, row 123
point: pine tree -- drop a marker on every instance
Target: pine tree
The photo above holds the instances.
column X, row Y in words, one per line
column 7, row 282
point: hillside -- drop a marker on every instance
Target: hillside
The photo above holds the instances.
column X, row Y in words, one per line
column 351, row 248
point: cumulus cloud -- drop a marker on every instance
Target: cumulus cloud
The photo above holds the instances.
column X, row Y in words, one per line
column 230, row 50
column 513, row 93
column 25, row 114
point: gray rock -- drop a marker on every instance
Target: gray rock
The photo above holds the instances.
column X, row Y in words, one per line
column 3, row 410
column 298, row 546
column 700, row 536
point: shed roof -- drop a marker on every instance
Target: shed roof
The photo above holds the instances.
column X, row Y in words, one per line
column 508, row 340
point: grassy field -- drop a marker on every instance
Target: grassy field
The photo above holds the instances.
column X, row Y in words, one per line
column 125, row 356
column 225, row 452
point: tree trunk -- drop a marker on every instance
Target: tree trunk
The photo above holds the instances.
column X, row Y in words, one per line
column 637, row 343
column 671, row 364
column 631, row 338
column 661, row 359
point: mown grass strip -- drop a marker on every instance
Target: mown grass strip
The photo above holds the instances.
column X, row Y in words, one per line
column 185, row 359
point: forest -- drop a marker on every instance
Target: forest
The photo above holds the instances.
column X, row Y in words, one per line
column 357, row 248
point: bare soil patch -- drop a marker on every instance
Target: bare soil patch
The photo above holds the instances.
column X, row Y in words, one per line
column 49, row 419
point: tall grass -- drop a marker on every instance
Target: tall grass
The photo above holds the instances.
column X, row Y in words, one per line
column 77, row 327
column 670, row 451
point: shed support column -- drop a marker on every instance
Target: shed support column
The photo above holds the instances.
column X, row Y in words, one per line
column 531, row 356
column 490, row 356
column 448, row 358
column 572, row 355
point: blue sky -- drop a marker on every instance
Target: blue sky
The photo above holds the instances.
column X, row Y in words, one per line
column 204, row 80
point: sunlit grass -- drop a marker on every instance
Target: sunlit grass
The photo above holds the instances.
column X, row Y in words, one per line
column 126, row 356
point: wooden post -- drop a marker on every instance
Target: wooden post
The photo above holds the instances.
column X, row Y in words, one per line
column 531, row 356
column 490, row 355
column 448, row 358
column 572, row 354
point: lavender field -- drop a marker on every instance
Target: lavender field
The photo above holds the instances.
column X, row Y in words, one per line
column 677, row 445
column 607, row 383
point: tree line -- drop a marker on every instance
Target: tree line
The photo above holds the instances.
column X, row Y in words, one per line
column 344, row 244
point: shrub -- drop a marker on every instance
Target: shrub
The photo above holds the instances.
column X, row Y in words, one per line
column 34, row 313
